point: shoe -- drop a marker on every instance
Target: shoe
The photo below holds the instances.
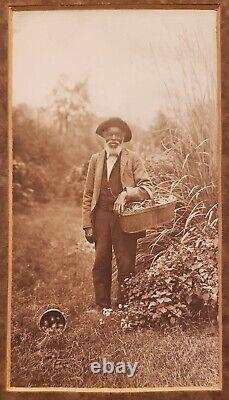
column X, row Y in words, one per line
column 98, row 308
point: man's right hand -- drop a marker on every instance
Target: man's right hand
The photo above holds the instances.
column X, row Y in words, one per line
column 89, row 235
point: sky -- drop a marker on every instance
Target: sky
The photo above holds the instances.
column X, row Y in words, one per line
column 134, row 61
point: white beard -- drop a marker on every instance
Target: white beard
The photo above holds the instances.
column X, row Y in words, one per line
column 111, row 151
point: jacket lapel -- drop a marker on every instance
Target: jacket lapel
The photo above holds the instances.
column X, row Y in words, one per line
column 98, row 174
column 124, row 159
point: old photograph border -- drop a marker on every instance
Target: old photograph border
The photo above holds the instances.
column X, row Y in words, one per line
column 6, row 199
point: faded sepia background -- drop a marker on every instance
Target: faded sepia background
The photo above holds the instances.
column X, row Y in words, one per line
column 157, row 69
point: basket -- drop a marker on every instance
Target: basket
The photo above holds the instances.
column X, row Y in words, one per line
column 147, row 218
column 52, row 320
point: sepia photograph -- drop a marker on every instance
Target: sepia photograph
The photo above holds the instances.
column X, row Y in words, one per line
column 115, row 272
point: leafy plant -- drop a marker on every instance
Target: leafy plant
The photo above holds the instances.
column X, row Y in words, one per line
column 182, row 284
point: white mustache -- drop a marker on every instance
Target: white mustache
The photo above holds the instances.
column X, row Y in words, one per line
column 113, row 142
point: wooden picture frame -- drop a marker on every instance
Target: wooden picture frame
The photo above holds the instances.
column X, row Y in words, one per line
column 8, row 393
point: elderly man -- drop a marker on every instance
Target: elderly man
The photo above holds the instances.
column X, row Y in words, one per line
column 116, row 176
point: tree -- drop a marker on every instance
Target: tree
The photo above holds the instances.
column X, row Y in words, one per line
column 69, row 106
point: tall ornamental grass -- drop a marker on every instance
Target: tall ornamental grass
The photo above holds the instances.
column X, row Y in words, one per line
column 188, row 166
column 177, row 272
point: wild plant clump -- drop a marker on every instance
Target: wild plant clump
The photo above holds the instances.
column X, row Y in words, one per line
column 31, row 183
column 180, row 285
column 176, row 266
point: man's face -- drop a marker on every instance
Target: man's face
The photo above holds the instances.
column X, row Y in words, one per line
column 114, row 137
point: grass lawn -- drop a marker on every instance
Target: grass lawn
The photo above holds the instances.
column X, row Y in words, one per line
column 52, row 266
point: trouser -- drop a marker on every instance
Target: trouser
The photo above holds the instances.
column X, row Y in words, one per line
column 108, row 234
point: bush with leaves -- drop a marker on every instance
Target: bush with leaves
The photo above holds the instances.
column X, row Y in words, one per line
column 31, row 183
column 74, row 183
column 181, row 284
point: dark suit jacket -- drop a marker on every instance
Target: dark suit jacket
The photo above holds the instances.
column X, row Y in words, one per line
column 134, row 178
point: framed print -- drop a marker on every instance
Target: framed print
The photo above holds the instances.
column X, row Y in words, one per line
column 113, row 182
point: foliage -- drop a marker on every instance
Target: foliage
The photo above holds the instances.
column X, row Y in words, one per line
column 181, row 284
column 69, row 106
column 31, row 183
column 45, row 153
column 176, row 264
column 177, row 271
column 75, row 183
column 186, row 169
column 156, row 136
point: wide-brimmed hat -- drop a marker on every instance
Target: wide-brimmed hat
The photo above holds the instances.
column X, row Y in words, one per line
column 115, row 122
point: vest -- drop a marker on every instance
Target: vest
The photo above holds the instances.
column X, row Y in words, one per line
column 111, row 188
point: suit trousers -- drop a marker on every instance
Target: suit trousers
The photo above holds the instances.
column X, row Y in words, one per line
column 108, row 235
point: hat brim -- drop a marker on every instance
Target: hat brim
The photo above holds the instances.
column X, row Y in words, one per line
column 115, row 122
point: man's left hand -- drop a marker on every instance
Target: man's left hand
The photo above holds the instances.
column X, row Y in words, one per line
column 120, row 203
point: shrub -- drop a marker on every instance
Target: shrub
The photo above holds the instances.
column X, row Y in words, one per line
column 74, row 183
column 182, row 284
column 44, row 157
column 31, row 183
